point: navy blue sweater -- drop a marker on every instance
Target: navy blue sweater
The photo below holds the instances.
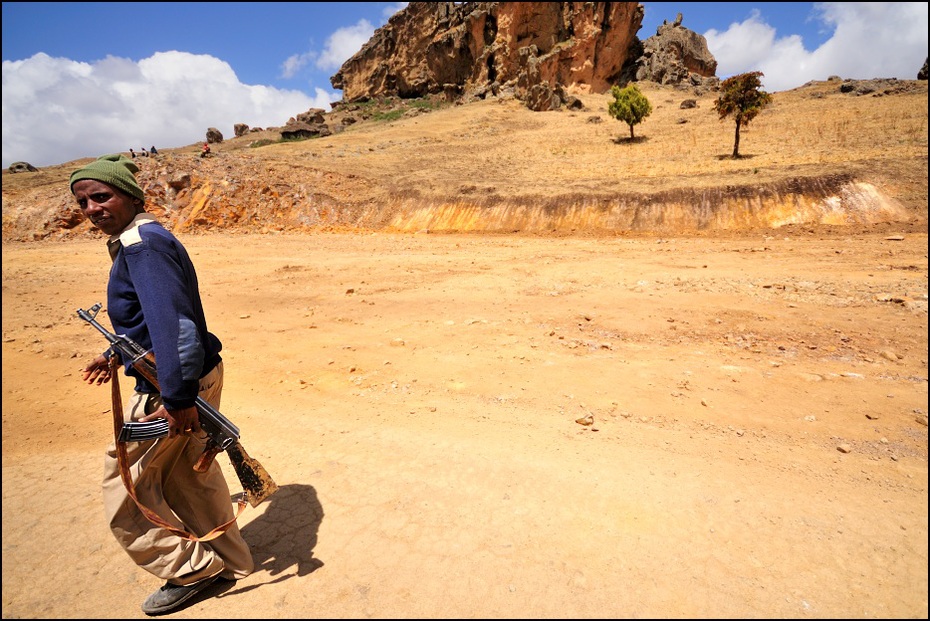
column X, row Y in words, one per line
column 154, row 299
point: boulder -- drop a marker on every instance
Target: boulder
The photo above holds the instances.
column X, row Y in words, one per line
column 18, row 167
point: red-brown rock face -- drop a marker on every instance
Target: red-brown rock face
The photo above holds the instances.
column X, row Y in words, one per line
column 472, row 47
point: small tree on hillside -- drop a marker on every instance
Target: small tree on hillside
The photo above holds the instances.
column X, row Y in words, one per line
column 741, row 96
column 629, row 105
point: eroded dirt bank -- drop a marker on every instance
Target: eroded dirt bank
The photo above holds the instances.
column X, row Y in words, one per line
column 237, row 200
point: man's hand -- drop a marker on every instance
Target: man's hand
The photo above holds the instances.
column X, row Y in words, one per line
column 180, row 422
column 97, row 371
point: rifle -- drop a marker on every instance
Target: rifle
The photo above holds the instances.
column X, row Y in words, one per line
column 222, row 434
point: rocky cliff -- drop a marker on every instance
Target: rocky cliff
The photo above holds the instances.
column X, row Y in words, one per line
column 469, row 49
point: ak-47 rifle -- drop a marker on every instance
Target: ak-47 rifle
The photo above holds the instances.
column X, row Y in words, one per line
column 222, row 434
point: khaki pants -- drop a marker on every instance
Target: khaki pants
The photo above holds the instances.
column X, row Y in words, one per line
column 167, row 484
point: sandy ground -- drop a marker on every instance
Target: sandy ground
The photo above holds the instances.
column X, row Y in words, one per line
column 758, row 445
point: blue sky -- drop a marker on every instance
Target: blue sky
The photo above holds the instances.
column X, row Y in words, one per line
column 85, row 78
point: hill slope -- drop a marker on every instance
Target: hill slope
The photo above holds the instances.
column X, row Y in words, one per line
column 817, row 156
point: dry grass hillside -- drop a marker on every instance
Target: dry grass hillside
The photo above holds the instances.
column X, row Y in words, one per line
column 815, row 156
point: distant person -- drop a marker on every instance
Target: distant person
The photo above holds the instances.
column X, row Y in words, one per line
column 153, row 150
column 132, row 153
column 144, row 152
column 205, row 151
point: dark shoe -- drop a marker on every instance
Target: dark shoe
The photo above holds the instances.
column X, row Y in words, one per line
column 170, row 596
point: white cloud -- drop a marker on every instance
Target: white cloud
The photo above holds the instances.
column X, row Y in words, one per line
column 343, row 44
column 869, row 40
column 340, row 46
column 742, row 46
column 56, row 110
column 296, row 62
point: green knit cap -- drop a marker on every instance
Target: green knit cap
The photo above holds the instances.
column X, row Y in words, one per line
column 115, row 169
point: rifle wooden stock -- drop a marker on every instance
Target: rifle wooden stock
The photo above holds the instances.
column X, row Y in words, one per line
column 256, row 482
column 221, row 435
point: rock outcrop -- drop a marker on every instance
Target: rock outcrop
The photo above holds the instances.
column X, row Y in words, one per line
column 535, row 50
column 674, row 55
column 18, row 167
column 309, row 124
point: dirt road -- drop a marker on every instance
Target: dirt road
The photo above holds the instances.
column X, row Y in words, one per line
column 757, row 444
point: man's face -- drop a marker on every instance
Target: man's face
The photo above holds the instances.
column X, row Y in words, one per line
column 109, row 209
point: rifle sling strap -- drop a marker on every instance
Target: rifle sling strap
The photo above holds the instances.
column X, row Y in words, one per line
column 123, row 459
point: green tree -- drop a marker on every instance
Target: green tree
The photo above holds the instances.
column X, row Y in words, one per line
column 741, row 96
column 629, row 105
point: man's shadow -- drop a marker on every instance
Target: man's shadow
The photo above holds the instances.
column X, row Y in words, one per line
column 286, row 533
